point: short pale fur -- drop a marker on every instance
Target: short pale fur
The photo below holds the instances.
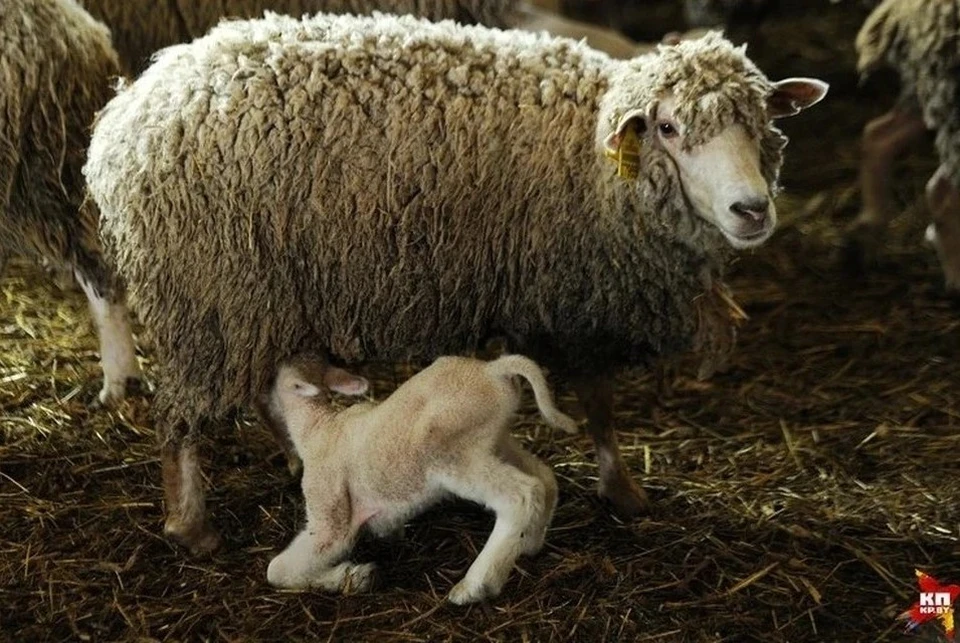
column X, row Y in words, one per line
column 446, row 431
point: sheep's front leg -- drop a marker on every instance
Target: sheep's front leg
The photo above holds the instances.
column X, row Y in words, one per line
column 943, row 233
column 186, row 510
column 118, row 356
column 514, row 453
column 616, row 484
column 315, row 560
column 518, row 500
column 884, row 140
column 282, row 435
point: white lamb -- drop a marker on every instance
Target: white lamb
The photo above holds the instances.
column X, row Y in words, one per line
column 445, row 431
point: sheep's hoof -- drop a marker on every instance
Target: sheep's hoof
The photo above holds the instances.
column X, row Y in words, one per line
column 466, row 592
column 199, row 541
column 626, row 497
column 859, row 249
column 359, row 578
column 113, row 393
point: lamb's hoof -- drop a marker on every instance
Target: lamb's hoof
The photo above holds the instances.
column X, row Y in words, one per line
column 294, row 466
column 626, row 498
column 466, row 592
column 199, row 541
column 359, row 578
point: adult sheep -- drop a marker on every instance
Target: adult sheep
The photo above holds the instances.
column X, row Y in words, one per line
column 920, row 39
column 142, row 27
column 56, row 70
column 387, row 188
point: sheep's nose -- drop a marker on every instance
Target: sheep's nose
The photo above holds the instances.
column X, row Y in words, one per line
column 755, row 210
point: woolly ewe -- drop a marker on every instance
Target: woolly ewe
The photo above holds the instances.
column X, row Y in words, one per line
column 388, row 188
column 56, row 66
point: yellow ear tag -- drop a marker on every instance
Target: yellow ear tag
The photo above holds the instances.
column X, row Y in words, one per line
column 627, row 154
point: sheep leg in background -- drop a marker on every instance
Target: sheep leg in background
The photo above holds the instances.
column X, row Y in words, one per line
column 884, row 139
column 315, row 558
column 616, row 483
column 943, row 233
column 514, row 453
column 518, row 500
column 184, row 497
column 118, row 356
column 282, row 436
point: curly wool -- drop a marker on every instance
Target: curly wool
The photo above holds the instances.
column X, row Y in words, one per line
column 56, row 67
column 920, row 40
column 388, row 189
column 142, row 27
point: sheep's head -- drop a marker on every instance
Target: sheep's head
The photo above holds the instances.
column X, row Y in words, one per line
column 309, row 379
column 704, row 111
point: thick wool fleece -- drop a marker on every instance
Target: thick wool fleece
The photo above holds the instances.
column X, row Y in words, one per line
column 142, row 27
column 920, row 39
column 56, row 67
column 390, row 188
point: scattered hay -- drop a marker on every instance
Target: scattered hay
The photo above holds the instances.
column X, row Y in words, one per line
column 796, row 491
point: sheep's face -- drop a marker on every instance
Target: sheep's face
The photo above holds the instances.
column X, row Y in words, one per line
column 310, row 379
column 722, row 145
column 721, row 178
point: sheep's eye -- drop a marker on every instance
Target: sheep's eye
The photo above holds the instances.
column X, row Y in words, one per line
column 667, row 130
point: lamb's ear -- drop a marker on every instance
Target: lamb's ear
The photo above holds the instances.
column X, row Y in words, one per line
column 622, row 146
column 305, row 389
column 793, row 95
column 339, row 380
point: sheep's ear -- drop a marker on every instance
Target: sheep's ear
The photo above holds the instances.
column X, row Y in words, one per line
column 793, row 95
column 305, row 389
column 622, row 146
column 339, row 380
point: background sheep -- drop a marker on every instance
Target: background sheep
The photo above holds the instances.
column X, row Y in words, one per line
column 56, row 66
column 446, row 431
column 496, row 211
column 921, row 41
column 141, row 27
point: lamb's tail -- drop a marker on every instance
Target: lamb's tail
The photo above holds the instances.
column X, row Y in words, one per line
column 526, row 368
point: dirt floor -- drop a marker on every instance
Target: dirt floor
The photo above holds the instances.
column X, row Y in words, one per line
column 795, row 493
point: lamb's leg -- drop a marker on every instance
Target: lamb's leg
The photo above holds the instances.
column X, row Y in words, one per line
column 884, row 139
column 282, row 436
column 513, row 452
column 186, row 510
column 943, row 233
column 518, row 500
column 118, row 356
column 616, row 484
column 316, row 556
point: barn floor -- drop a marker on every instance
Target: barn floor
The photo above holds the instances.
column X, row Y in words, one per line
column 795, row 494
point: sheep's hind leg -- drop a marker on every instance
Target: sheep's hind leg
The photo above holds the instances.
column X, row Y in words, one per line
column 616, row 484
column 943, row 233
column 514, row 453
column 884, row 139
column 118, row 356
column 518, row 500
column 186, row 511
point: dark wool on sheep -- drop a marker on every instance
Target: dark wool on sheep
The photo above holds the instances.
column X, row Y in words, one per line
column 920, row 39
column 142, row 27
column 389, row 189
column 56, row 68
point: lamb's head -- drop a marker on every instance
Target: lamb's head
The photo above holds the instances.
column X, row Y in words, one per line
column 696, row 117
column 305, row 382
